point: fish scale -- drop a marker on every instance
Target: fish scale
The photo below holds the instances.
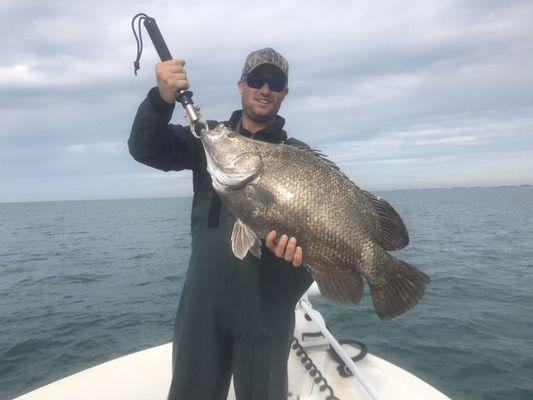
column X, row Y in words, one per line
column 344, row 232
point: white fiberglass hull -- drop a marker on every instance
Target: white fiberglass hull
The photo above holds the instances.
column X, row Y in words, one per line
column 146, row 376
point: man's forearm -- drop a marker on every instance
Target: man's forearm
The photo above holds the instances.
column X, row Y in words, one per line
column 154, row 142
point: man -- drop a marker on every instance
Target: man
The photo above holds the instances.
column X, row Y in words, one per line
column 234, row 317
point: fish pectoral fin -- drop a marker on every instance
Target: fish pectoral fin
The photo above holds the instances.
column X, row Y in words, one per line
column 244, row 239
column 342, row 286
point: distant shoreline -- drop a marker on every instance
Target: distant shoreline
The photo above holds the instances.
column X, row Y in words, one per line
column 190, row 196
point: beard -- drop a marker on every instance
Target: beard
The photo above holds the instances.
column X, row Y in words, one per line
column 259, row 118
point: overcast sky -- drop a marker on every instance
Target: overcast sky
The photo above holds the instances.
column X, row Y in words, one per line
column 401, row 94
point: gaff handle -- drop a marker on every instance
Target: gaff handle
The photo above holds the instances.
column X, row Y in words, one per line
column 184, row 96
column 157, row 39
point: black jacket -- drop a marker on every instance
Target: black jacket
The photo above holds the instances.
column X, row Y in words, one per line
column 249, row 302
column 155, row 142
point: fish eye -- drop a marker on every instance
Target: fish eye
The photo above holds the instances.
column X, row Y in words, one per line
column 230, row 134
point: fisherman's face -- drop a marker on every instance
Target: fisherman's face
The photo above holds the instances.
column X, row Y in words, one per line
column 261, row 105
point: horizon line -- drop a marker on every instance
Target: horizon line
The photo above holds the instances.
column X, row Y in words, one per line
column 191, row 195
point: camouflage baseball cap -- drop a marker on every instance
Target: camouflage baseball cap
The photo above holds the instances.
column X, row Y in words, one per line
column 265, row 56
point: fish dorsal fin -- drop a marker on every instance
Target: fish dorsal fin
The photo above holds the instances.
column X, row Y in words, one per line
column 393, row 233
column 314, row 152
column 317, row 153
column 244, row 239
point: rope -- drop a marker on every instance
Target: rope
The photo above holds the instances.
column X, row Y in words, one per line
column 319, row 321
column 139, row 39
column 342, row 368
column 313, row 370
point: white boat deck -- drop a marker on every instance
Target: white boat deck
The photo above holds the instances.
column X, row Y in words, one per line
column 145, row 375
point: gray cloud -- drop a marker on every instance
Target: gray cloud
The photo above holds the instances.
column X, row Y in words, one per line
column 421, row 89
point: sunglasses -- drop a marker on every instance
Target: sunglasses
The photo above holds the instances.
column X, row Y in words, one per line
column 275, row 83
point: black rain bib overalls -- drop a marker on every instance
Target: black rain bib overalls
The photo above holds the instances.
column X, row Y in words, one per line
column 235, row 316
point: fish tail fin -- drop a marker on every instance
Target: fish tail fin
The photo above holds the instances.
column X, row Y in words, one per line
column 404, row 286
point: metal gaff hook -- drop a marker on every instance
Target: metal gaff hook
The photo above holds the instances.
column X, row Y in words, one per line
column 184, row 97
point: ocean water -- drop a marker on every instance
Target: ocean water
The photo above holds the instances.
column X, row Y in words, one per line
column 87, row 281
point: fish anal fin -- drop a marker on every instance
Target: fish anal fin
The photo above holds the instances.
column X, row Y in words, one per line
column 244, row 239
column 341, row 286
column 400, row 289
column 393, row 233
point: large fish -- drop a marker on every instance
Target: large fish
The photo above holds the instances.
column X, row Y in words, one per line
column 345, row 232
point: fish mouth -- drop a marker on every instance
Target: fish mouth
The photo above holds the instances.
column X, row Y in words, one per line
column 213, row 134
column 209, row 141
column 209, row 137
column 209, row 150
